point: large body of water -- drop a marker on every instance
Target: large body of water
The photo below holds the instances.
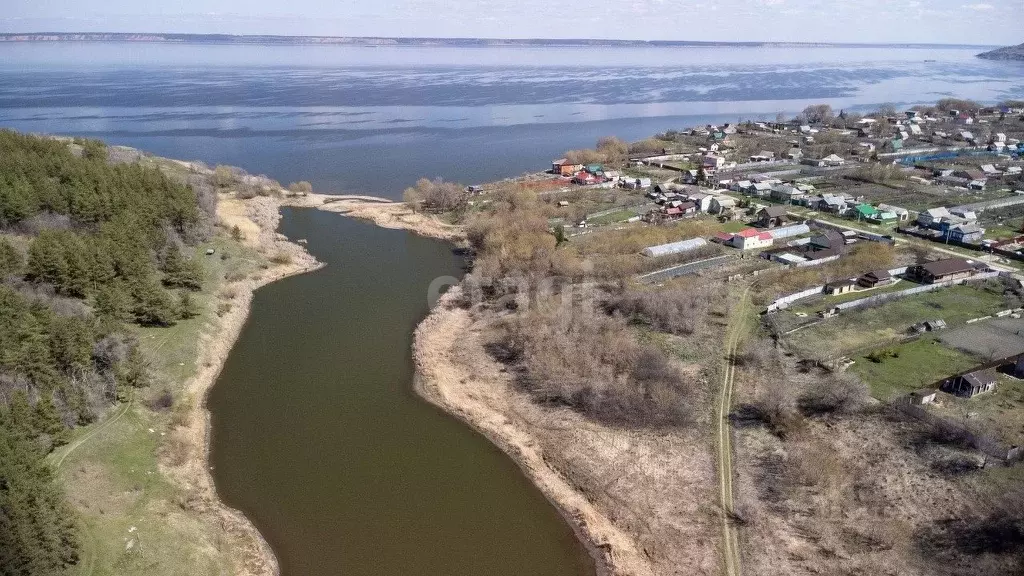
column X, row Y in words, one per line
column 317, row 435
column 372, row 120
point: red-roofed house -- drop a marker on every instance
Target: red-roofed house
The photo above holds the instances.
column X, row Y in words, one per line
column 751, row 239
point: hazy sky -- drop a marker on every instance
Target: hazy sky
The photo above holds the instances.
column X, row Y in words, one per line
column 931, row 21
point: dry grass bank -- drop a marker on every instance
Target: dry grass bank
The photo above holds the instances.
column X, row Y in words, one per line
column 863, row 492
column 643, row 500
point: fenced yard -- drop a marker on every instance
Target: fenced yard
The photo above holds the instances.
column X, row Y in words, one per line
column 995, row 338
column 857, row 329
column 909, row 366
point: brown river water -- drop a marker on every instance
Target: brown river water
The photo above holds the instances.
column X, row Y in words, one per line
column 320, row 440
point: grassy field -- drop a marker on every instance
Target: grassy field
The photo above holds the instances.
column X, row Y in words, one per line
column 860, row 329
column 733, row 226
column 917, row 364
column 134, row 521
column 619, row 216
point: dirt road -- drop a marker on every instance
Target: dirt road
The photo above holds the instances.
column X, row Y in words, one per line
column 730, row 538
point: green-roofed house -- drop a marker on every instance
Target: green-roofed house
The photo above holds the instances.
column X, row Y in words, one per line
column 865, row 211
column 595, row 168
column 883, row 217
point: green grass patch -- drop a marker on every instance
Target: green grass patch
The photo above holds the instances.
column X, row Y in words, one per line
column 856, row 330
column 733, row 226
column 619, row 216
column 916, row 364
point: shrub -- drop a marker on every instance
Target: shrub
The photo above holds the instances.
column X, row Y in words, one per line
column 162, row 402
column 677, row 311
column 437, row 196
column 223, row 308
column 281, row 258
column 591, row 362
column 835, row 393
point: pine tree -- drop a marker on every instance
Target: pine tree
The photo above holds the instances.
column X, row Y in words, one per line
column 34, row 358
column 187, row 307
column 71, row 341
column 113, row 304
column 134, row 370
column 152, row 306
column 10, row 259
column 46, row 259
column 37, row 527
column 19, row 416
column 181, row 272
column 47, row 421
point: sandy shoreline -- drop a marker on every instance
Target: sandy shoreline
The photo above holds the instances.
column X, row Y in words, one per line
column 251, row 553
column 477, row 401
column 384, row 213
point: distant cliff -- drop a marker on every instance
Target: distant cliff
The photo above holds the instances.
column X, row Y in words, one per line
column 1008, row 53
column 383, row 41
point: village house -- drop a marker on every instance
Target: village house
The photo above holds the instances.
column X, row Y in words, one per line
column 713, row 162
column 932, row 217
column 760, row 189
column 786, row 193
column 828, row 240
column 741, row 186
column 965, row 233
column 864, row 212
column 883, row 217
column 722, row 204
column 763, row 156
column 563, row 167
column 746, row 239
column 902, row 214
column 943, row 270
column 971, row 384
column 833, row 203
column 702, row 201
column 771, row 216
column 840, row 287
column 635, row 183
column 875, row 278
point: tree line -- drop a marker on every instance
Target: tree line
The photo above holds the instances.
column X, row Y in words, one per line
column 87, row 248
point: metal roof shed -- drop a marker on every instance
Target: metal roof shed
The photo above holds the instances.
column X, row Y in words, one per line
column 674, row 247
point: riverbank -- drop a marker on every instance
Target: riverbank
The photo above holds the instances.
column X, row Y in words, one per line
column 635, row 498
column 187, row 456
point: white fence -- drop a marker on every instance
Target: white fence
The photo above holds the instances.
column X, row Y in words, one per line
column 784, row 302
column 882, row 298
column 817, row 262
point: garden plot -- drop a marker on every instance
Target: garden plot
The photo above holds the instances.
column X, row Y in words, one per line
column 995, row 338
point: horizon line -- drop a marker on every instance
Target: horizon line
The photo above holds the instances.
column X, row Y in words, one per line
column 181, row 36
